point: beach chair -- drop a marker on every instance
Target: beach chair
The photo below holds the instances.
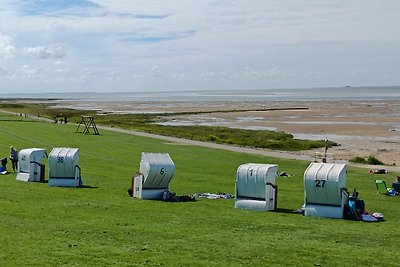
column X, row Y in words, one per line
column 382, row 188
column 324, row 190
column 256, row 187
column 155, row 174
column 30, row 167
column 64, row 169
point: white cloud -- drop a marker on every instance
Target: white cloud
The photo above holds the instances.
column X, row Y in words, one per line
column 2, row 72
column 113, row 76
column 62, row 70
column 271, row 73
column 28, row 72
column 45, row 52
column 7, row 49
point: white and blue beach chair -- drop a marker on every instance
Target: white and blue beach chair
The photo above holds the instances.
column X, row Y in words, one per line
column 155, row 174
column 324, row 190
column 256, row 187
column 64, row 169
column 30, row 166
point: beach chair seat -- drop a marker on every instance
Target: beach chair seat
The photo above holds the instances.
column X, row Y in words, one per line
column 256, row 187
column 155, row 174
column 381, row 187
column 324, row 190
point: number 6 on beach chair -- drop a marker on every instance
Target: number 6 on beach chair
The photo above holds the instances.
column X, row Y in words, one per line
column 155, row 173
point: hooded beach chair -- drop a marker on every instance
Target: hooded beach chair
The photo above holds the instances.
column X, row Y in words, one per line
column 30, row 167
column 256, row 187
column 155, row 174
column 64, row 169
column 324, row 190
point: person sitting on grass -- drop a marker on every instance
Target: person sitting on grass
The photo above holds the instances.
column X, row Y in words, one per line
column 3, row 166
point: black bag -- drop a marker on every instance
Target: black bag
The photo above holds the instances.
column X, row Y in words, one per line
column 354, row 208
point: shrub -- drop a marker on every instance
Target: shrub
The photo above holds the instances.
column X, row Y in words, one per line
column 370, row 160
column 374, row 161
column 360, row 160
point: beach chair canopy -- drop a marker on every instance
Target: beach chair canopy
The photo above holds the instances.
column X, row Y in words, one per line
column 157, row 170
column 256, row 186
column 324, row 185
column 30, row 167
column 64, row 169
column 155, row 174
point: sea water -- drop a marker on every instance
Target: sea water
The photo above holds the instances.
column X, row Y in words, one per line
column 300, row 94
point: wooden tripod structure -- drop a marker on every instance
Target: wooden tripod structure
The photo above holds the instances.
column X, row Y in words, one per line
column 88, row 122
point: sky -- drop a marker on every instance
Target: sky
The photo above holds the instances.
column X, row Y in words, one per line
column 184, row 45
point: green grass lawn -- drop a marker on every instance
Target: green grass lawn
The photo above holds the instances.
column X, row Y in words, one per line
column 100, row 225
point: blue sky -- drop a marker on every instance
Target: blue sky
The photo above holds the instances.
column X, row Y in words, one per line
column 152, row 45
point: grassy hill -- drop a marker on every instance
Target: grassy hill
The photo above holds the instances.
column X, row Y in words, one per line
column 99, row 225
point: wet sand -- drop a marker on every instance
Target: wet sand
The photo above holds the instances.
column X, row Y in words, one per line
column 362, row 128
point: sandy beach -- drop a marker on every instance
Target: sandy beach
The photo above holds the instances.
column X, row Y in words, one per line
column 362, row 128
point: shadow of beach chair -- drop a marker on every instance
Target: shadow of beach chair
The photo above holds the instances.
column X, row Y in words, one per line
column 324, row 190
column 155, row 174
column 256, row 187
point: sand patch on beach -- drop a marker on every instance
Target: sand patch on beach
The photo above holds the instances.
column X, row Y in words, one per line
column 362, row 128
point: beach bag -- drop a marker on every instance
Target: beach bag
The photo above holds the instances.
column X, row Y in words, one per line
column 167, row 195
column 130, row 192
column 360, row 206
column 354, row 208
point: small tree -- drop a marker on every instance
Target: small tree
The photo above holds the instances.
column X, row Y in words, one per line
column 370, row 160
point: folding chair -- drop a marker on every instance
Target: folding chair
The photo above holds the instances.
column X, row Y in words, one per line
column 382, row 188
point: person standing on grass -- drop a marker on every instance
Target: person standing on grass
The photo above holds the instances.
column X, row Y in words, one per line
column 14, row 158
